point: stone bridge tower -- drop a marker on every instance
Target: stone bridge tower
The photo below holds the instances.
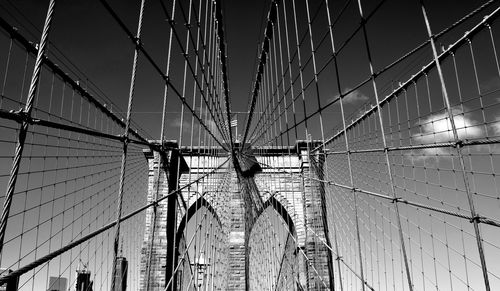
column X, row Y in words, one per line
column 264, row 216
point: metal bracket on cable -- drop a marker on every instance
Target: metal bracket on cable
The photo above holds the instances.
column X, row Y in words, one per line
column 20, row 116
column 125, row 138
column 458, row 144
column 396, row 199
column 476, row 218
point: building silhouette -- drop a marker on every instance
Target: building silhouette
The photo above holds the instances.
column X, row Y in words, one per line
column 83, row 282
column 120, row 279
column 11, row 284
column 58, row 284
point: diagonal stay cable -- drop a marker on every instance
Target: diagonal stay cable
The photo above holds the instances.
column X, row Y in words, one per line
column 483, row 219
column 222, row 57
column 186, row 57
column 296, row 53
column 302, row 68
column 75, row 243
column 268, row 34
column 384, row 69
column 155, row 66
column 31, row 48
column 494, row 15
column 222, row 52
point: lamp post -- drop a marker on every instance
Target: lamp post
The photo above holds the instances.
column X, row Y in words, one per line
column 201, row 268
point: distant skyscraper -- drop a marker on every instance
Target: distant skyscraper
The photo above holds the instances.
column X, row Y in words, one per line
column 83, row 282
column 12, row 284
column 57, row 284
column 120, row 278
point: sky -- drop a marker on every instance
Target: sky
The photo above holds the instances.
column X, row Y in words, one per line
column 91, row 40
column 94, row 44
column 94, row 50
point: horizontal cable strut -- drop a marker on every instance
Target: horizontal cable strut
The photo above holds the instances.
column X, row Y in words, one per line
column 485, row 141
column 310, row 82
column 471, row 33
column 69, row 246
column 20, row 117
column 481, row 219
column 365, row 159
column 31, row 48
column 446, row 53
column 153, row 63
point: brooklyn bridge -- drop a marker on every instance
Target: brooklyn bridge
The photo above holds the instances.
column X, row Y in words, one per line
column 249, row 145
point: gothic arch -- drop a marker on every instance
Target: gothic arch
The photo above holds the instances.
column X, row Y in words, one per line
column 282, row 276
column 281, row 210
column 195, row 206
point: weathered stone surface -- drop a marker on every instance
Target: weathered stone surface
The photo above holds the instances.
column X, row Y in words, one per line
column 291, row 182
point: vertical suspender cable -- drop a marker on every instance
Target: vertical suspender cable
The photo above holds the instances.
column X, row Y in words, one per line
column 260, row 70
column 386, row 153
column 26, row 114
column 222, row 56
column 321, row 162
column 458, row 144
column 339, row 88
column 125, row 145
